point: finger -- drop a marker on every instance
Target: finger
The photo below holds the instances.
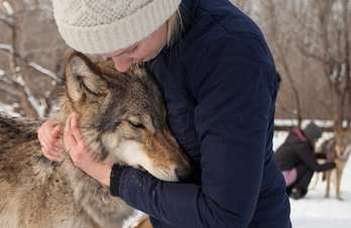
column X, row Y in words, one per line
column 49, row 156
column 45, row 135
column 58, row 147
column 41, row 141
column 56, row 150
column 56, row 159
column 58, row 154
column 49, row 150
column 52, row 142
column 45, row 142
column 69, row 144
column 56, row 132
column 47, row 127
column 68, row 139
column 41, row 137
column 74, row 125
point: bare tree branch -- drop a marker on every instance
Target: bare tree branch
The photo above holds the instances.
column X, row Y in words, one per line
column 9, row 50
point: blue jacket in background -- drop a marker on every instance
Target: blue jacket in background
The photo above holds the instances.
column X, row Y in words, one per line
column 220, row 85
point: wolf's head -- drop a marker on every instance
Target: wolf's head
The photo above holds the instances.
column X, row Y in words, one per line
column 122, row 117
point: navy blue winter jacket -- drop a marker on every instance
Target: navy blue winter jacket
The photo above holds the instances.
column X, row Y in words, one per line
column 220, row 85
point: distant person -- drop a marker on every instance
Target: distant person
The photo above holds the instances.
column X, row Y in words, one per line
column 297, row 159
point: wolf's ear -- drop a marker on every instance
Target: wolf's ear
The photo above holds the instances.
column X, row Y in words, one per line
column 82, row 77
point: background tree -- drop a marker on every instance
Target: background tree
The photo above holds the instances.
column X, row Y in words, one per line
column 30, row 57
column 310, row 40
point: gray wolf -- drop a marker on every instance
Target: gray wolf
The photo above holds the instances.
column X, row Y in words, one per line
column 337, row 149
column 122, row 118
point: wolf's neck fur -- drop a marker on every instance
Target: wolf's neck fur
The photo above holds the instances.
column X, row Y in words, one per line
column 96, row 200
column 11, row 128
column 89, row 195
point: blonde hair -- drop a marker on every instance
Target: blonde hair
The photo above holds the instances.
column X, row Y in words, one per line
column 174, row 27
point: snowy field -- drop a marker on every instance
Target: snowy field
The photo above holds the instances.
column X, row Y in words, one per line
column 315, row 211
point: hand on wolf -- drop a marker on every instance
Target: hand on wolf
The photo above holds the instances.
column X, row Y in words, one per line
column 81, row 154
column 49, row 134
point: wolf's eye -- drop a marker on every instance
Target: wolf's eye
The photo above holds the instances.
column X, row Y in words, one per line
column 136, row 125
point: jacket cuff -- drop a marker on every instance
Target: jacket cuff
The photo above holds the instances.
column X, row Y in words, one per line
column 115, row 177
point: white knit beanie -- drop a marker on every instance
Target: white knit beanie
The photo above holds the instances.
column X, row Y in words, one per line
column 104, row 26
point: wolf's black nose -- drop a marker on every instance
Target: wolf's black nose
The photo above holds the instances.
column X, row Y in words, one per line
column 183, row 173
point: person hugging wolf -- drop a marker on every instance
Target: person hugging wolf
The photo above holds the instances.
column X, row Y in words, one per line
column 297, row 159
column 219, row 82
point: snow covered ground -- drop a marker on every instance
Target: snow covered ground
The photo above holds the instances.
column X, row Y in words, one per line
column 315, row 211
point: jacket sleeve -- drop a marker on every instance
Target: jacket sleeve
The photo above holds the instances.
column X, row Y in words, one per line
column 235, row 105
column 308, row 157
